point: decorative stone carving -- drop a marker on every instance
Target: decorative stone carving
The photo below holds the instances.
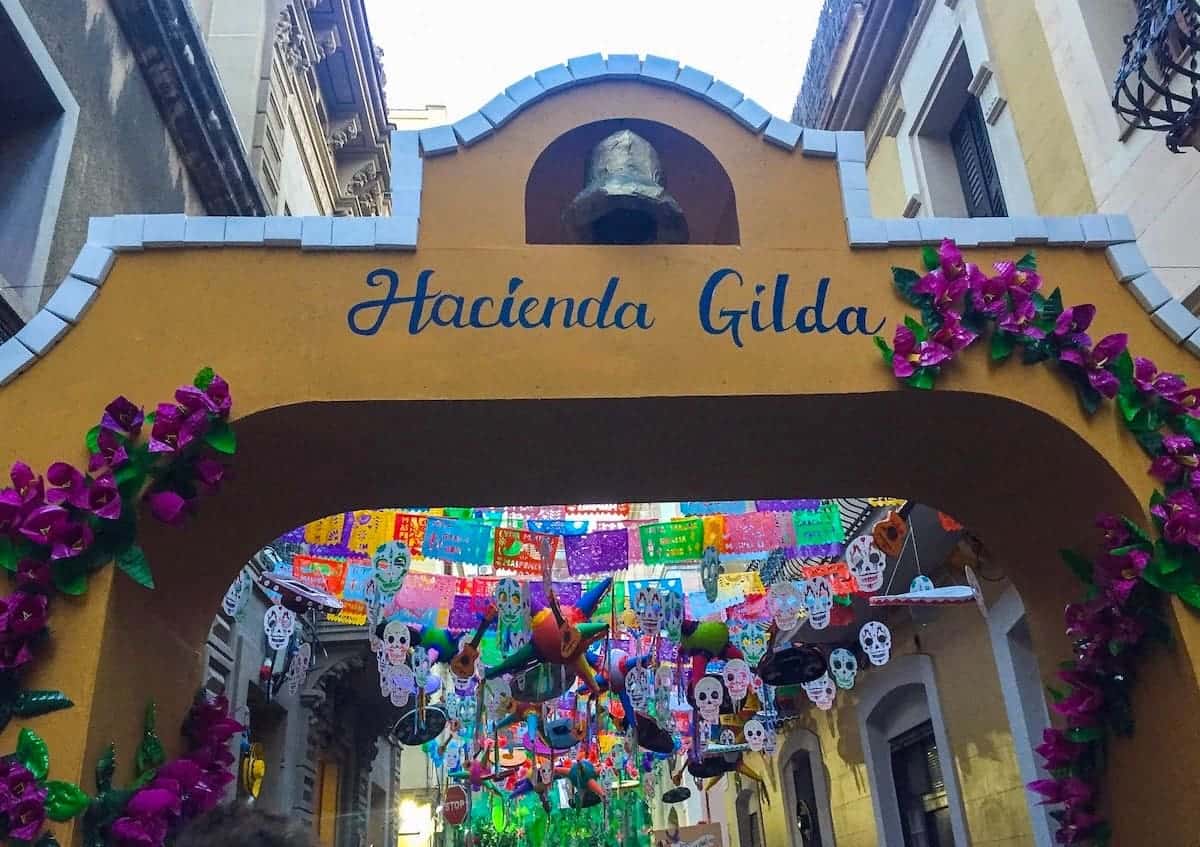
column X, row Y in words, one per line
column 290, row 41
column 339, row 138
column 367, row 186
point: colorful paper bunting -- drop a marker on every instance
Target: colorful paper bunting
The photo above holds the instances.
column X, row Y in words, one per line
column 597, row 552
column 714, row 507
column 673, row 541
column 786, row 505
column 752, row 533
column 457, row 541
column 819, row 531
column 520, row 551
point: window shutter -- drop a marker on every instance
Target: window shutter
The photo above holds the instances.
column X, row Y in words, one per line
column 976, row 165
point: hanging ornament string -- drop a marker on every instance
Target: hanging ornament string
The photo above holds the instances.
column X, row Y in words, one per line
column 909, row 537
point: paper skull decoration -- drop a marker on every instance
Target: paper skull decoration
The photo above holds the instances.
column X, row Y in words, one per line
column 279, row 623
column 844, row 667
column 512, row 603
column 298, row 672
column 453, row 756
column 710, row 572
column 821, row 692
column 421, row 667
column 737, row 676
column 727, row 737
column 648, row 606
column 395, row 642
column 400, row 684
column 374, row 603
column 785, row 601
column 238, row 594
column 876, row 640
column 497, row 698
column 672, row 605
column 756, row 734
column 867, row 563
column 709, row 695
column 818, row 597
column 770, row 741
column 921, row 583
column 889, row 534
column 639, row 687
column 752, row 638
column 392, row 560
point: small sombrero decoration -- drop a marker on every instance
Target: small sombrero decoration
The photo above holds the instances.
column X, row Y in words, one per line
column 794, row 664
column 677, row 795
column 652, row 737
column 298, row 596
column 418, row 726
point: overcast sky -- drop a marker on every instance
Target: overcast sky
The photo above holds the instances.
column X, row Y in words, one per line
column 460, row 55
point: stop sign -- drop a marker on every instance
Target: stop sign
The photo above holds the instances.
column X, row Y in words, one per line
column 456, row 805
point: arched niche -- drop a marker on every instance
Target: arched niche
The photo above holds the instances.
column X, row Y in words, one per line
column 691, row 173
column 801, row 752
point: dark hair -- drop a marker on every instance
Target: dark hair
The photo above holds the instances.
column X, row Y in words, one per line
column 239, row 825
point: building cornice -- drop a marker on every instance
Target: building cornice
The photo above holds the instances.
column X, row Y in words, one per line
column 173, row 59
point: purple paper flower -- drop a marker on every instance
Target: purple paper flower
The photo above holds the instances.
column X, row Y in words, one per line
column 1077, row 825
column 27, row 816
column 1180, row 515
column 1116, row 533
column 209, row 472
column 1183, row 402
column 68, row 485
column 218, row 393
column 1072, row 325
column 70, row 538
column 943, row 289
column 139, row 832
column 14, row 655
column 192, row 399
column 33, row 575
column 1020, row 317
column 122, row 416
column 1095, row 362
column 103, row 498
column 950, row 259
column 1149, row 381
column 153, row 802
column 953, row 336
column 42, row 523
column 1179, row 459
column 168, row 507
column 1057, row 750
column 1120, row 575
column 989, row 295
column 27, row 484
column 1020, row 281
column 1071, row 790
column 27, row 614
column 111, row 452
column 908, row 355
column 12, row 511
column 1084, row 702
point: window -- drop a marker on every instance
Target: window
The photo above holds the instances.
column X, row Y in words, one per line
column 920, row 789
column 749, row 819
column 40, row 117
column 808, row 825
column 976, row 165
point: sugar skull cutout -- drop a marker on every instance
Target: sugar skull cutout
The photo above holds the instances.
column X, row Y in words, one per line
column 395, row 641
column 374, row 605
column 710, row 572
column 421, row 668
column 785, row 601
column 821, row 692
column 639, row 686
column 672, row 605
column 844, row 667
column 876, row 640
column 737, row 678
column 392, row 561
column 648, row 605
column 866, row 563
column 400, row 684
column 709, row 695
column 497, row 698
column 818, row 598
column 237, row 595
column 278, row 624
column 756, row 734
column 663, row 686
column 453, row 755
column 751, row 637
column 921, row 583
column 298, row 671
column 512, row 608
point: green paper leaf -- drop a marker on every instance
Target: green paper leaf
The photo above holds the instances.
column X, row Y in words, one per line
column 1028, row 262
column 69, row 578
column 204, row 378
column 11, row 552
column 1034, row 352
column 1166, row 561
column 64, row 800
column 106, row 767
column 1080, row 565
column 1089, row 398
column 904, row 280
column 30, row 703
column 132, row 561
column 929, row 258
column 222, row 438
column 923, row 379
column 1122, row 366
column 1001, row 346
column 92, row 440
column 1136, row 531
column 1190, row 594
column 884, row 350
column 33, row 754
column 1056, row 696
column 1053, row 306
column 1130, row 405
column 1085, row 734
column 932, row 319
column 917, row 328
column 150, row 751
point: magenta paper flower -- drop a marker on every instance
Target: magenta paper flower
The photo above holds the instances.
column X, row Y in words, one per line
column 27, row 613
column 111, row 451
column 1184, row 402
column 27, row 484
column 27, row 816
column 908, row 355
column 70, row 538
column 42, row 523
column 943, row 289
column 1084, row 702
column 1151, row 382
column 1180, row 515
column 1019, row 319
column 1179, row 459
column 1122, row 574
column 122, row 416
column 1072, row 325
column 1077, row 825
column 12, row 511
column 192, row 399
column 218, row 393
column 153, row 802
column 1116, row 533
column 209, row 473
column 14, row 655
column 168, row 507
column 67, row 485
column 953, row 335
column 1020, row 281
column 1095, row 362
column 33, row 575
column 1070, row 790
column 139, row 832
column 103, row 498
column 1057, row 750
column 950, row 259
column 989, row 295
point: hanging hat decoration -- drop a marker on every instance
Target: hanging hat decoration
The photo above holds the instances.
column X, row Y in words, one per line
column 889, row 534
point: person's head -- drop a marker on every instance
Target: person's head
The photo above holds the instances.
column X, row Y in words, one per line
column 239, row 825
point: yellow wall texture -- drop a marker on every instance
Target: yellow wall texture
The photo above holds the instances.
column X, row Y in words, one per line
column 885, row 180
column 1025, row 70
column 992, row 792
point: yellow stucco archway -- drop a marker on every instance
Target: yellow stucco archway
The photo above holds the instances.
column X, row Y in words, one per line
column 655, row 406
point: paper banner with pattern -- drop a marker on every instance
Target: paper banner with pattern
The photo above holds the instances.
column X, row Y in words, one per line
column 423, row 591
column 746, row 583
column 520, row 550
column 754, row 609
column 885, row 502
column 752, row 533
column 819, row 531
column 491, row 517
column 457, row 541
column 597, row 552
column 786, row 505
column 369, row 529
column 617, row 511
column 604, row 609
column 328, row 575
column 701, row 608
column 839, row 575
column 354, row 595
column 558, row 527
column 537, row 513
column 673, row 541
column 410, row 528
column 715, row 507
column 327, row 531
column 714, row 532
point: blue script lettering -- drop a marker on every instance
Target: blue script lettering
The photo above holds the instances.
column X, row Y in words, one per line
column 447, row 309
column 852, row 320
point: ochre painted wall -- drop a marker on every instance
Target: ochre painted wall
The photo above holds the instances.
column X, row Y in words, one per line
column 330, row 420
column 1026, row 73
column 886, row 181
